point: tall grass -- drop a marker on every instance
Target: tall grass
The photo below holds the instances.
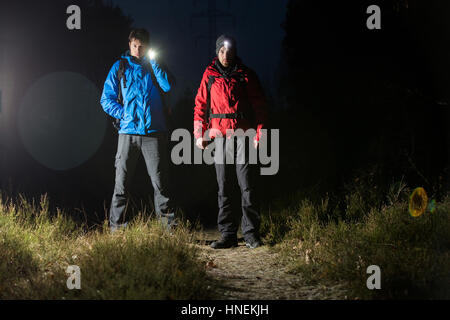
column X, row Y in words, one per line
column 142, row 262
column 328, row 243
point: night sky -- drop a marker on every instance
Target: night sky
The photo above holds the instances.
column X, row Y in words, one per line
column 183, row 45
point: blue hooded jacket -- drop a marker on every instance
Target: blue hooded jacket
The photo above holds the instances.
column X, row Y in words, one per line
column 142, row 110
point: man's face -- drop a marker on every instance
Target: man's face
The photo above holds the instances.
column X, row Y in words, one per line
column 226, row 56
column 138, row 49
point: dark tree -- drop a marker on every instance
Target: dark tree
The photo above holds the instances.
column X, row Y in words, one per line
column 40, row 43
column 360, row 98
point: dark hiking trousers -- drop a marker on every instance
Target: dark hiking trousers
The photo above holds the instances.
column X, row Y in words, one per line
column 154, row 150
column 228, row 217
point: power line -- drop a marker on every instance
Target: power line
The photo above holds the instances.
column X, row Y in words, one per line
column 212, row 14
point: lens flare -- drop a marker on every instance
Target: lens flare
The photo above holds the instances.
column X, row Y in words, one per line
column 432, row 206
column 60, row 122
column 418, row 202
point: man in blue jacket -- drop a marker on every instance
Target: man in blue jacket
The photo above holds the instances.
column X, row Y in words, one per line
column 142, row 126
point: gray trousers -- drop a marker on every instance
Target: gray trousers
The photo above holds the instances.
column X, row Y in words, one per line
column 227, row 174
column 154, row 150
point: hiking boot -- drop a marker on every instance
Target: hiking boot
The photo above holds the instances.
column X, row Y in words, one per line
column 115, row 228
column 224, row 243
column 168, row 224
column 253, row 243
column 167, row 220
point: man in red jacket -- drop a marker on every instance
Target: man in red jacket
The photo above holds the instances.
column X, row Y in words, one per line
column 230, row 97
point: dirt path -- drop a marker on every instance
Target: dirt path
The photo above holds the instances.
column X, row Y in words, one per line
column 256, row 274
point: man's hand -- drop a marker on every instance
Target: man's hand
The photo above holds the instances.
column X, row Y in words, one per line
column 255, row 144
column 201, row 143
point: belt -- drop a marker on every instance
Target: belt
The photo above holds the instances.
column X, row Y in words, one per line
column 237, row 115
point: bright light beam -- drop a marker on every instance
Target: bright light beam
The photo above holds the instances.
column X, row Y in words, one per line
column 152, row 54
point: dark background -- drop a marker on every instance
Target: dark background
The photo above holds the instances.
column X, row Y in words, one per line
column 348, row 101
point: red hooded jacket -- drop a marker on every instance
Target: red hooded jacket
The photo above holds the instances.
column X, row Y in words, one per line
column 240, row 91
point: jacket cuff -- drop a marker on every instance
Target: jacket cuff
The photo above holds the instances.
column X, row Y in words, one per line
column 258, row 133
column 199, row 129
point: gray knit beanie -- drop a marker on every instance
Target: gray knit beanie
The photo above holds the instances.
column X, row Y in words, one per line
column 221, row 42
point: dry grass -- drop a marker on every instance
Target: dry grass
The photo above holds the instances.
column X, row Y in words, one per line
column 142, row 262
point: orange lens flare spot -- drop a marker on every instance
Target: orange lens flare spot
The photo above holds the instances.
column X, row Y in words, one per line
column 418, row 202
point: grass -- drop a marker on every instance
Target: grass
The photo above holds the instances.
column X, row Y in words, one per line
column 327, row 243
column 141, row 262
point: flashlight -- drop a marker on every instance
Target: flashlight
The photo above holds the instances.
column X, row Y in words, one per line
column 152, row 54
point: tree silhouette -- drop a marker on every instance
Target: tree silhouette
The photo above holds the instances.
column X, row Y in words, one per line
column 40, row 44
column 358, row 97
